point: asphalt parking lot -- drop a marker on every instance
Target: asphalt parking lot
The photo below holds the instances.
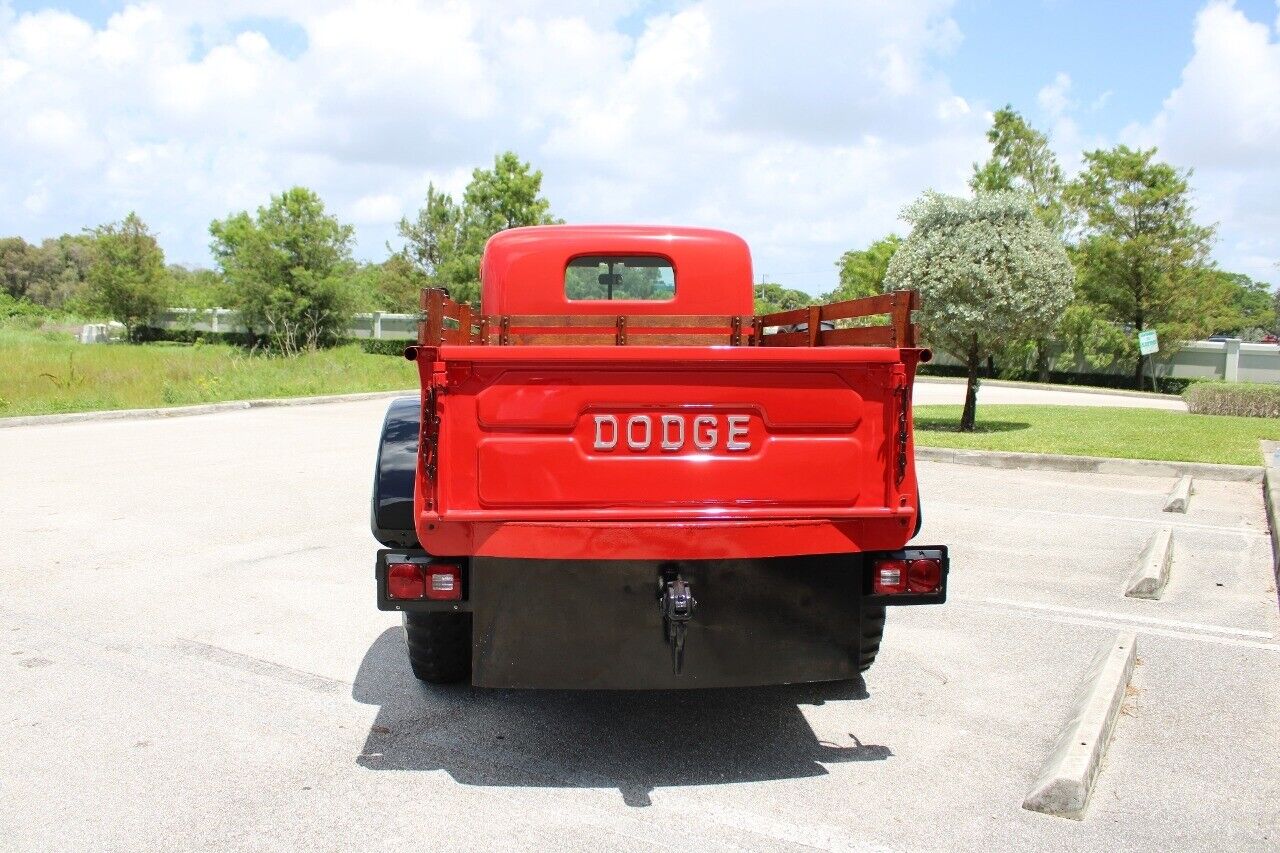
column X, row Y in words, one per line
column 190, row 658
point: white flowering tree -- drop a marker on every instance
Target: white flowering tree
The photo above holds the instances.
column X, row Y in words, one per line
column 989, row 273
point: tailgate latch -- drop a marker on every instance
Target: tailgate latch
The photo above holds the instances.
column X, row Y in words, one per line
column 677, row 604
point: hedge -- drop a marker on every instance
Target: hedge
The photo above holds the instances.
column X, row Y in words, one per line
column 385, row 346
column 148, row 334
column 1247, row 399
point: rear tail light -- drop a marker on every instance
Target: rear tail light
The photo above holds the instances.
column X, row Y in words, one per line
column 444, row 582
column 911, row 572
column 405, row 581
column 924, row 575
column 890, row 577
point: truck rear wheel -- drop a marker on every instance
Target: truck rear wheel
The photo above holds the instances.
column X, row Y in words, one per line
column 871, row 632
column 439, row 646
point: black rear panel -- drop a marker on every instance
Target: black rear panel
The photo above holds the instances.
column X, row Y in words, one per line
column 586, row 624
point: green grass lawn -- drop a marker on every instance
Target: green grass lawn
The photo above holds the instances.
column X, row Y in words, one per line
column 47, row 372
column 1098, row 431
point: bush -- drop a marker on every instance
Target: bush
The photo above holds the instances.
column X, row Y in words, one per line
column 22, row 314
column 385, row 346
column 152, row 334
column 1247, row 399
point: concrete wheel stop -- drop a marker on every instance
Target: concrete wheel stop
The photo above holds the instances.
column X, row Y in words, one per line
column 1068, row 774
column 1152, row 572
column 1180, row 496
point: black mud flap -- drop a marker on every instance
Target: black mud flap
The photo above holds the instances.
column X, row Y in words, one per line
column 645, row 625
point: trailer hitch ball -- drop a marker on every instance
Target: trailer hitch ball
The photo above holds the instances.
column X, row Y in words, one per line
column 677, row 603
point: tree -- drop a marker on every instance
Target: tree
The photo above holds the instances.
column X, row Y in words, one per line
column 1022, row 160
column 862, row 271
column 433, row 239
column 393, row 285
column 771, row 297
column 196, row 287
column 1143, row 258
column 988, row 272
column 127, row 279
column 51, row 274
column 288, row 270
column 446, row 239
column 506, row 196
column 17, row 263
column 1251, row 306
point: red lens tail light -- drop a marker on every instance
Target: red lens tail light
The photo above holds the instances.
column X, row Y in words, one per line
column 444, row 582
column 405, row 581
column 924, row 575
column 890, row 576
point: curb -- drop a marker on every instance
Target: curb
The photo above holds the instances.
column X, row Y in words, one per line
column 1152, row 573
column 1092, row 464
column 203, row 409
column 1271, row 497
column 1067, row 777
column 1049, row 386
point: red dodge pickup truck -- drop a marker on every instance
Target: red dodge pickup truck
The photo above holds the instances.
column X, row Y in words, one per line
column 618, row 476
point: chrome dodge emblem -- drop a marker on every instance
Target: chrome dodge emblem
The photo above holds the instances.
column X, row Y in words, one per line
column 673, row 432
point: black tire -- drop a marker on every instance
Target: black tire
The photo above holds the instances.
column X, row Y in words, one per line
column 439, row 646
column 871, row 632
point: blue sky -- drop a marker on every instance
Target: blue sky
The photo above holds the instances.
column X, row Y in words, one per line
column 805, row 126
column 1131, row 52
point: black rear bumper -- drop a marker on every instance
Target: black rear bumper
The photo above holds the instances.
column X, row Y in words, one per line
column 599, row 624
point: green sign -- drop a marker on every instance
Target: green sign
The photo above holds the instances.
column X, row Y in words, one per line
column 1147, row 343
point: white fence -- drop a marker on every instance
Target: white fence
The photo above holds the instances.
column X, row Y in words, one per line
column 376, row 325
column 1230, row 360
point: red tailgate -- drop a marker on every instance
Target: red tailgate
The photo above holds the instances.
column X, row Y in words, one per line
column 578, row 434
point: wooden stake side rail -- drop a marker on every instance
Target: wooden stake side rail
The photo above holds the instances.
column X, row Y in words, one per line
column 449, row 322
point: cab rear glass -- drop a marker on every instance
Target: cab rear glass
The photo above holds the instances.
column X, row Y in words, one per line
column 649, row 278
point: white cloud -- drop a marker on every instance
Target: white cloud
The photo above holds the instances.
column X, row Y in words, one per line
column 804, row 126
column 1223, row 120
column 36, row 202
column 1055, row 98
column 380, row 209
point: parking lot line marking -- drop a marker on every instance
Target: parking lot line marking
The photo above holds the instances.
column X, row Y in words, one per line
column 1120, row 519
column 1148, row 630
column 1125, row 617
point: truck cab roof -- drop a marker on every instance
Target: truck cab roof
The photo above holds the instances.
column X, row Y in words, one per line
column 570, row 269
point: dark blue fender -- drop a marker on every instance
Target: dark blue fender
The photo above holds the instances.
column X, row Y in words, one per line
column 391, row 513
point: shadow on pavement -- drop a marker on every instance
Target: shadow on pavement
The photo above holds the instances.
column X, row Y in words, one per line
column 632, row 741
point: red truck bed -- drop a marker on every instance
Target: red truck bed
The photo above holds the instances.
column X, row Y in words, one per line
column 752, row 444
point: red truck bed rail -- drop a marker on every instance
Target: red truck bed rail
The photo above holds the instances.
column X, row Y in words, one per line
column 448, row 322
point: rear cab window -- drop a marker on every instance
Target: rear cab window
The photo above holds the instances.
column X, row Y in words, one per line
column 648, row 278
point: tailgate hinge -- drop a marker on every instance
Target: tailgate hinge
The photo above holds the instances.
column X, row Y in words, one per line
column 904, row 399
column 429, row 435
